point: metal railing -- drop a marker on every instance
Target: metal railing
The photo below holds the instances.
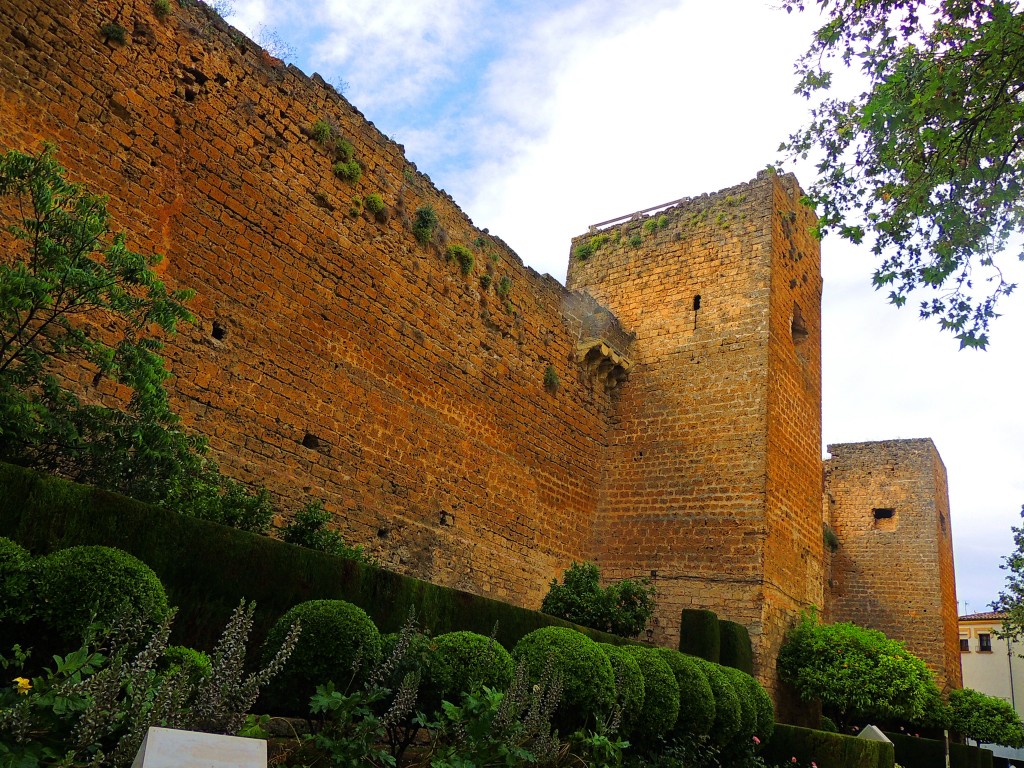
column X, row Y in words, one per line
column 633, row 216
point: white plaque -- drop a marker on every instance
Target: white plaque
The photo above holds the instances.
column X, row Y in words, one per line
column 872, row 733
column 169, row 748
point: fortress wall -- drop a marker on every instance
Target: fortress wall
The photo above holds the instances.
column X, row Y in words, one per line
column 713, row 478
column 794, row 546
column 684, row 485
column 894, row 572
column 334, row 356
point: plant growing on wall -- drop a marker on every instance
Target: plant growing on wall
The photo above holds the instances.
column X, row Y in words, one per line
column 622, row 608
column 424, row 224
column 504, row 286
column 551, row 380
column 463, row 256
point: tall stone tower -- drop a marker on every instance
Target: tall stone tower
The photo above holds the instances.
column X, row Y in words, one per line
column 712, row 479
column 893, row 570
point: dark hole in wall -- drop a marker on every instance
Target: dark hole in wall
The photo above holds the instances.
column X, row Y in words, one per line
column 190, row 95
column 883, row 513
column 310, row 441
column 696, row 302
column 799, row 327
column 219, row 332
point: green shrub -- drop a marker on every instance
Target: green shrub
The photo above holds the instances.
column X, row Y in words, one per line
column 375, row 203
column 588, row 683
column 735, row 649
column 629, row 681
column 194, row 665
column 696, row 700
column 728, row 711
column 551, row 380
column 765, row 711
column 504, row 286
column 760, row 718
column 699, row 634
column 743, row 686
column 485, row 281
column 338, row 641
column 623, row 608
column 162, row 8
column 914, row 752
column 661, row 695
column 344, row 152
column 424, row 224
column 15, row 592
column 114, row 31
column 827, row 725
column 857, row 673
column 309, row 529
column 82, row 585
column 462, row 662
column 985, row 718
column 347, row 170
column 463, row 256
column 636, row 241
column 804, row 746
column 322, row 133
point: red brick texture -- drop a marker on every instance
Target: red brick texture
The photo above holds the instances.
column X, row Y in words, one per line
column 893, row 570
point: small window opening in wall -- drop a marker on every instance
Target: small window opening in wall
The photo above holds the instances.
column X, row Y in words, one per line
column 798, row 327
column 942, row 523
column 219, row 332
column 696, row 308
column 310, row 441
column 985, row 643
column 883, row 513
column 965, row 645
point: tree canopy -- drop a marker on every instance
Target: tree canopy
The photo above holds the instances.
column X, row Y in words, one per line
column 928, row 161
column 622, row 608
column 985, row 718
column 1011, row 600
column 857, row 673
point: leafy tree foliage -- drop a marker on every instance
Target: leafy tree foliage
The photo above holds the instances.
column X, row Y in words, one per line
column 929, row 159
column 623, row 608
column 74, row 298
column 309, row 529
column 985, row 718
column 857, row 673
column 1011, row 601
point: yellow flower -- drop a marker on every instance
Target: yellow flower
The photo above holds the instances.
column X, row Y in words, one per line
column 22, row 684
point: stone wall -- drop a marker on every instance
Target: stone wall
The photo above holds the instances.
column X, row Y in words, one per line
column 334, row 356
column 713, row 472
column 893, row 570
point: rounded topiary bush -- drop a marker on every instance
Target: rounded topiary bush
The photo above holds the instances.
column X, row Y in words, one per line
column 338, row 643
column 661, row 696
column 742, row 684
column 180, row 660
column 696, row 701
column 458, row 662
column 728, row 712
column 588, row 683
column 15, row 600
column 629, row 681
column 82, row 585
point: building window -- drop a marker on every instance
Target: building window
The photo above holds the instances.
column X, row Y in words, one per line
column 884, row 518
column 985, row 643
column 965, row 645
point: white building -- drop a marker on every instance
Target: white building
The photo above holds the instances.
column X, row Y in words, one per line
column 993, row 665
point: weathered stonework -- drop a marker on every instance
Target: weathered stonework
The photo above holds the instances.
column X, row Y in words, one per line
column 893, row 570
column 337, row 358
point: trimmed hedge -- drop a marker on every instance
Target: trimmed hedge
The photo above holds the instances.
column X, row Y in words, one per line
column 338, row 643
column 661, row 695
column 728, row 711
column 207, row 568
column 699, row 634
column 913, row 752
column 15, row 603
column 826, row 749
column 588, row 683
column 81, row 585
column 460, row 661
column 743, row 685
column 696, row 699
column 735, row 649
column 630, row 690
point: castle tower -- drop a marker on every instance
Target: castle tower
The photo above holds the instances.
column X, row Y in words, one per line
column 712, row 480
column 893, row 570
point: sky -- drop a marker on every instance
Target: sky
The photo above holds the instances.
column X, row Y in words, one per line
column 541, row 118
